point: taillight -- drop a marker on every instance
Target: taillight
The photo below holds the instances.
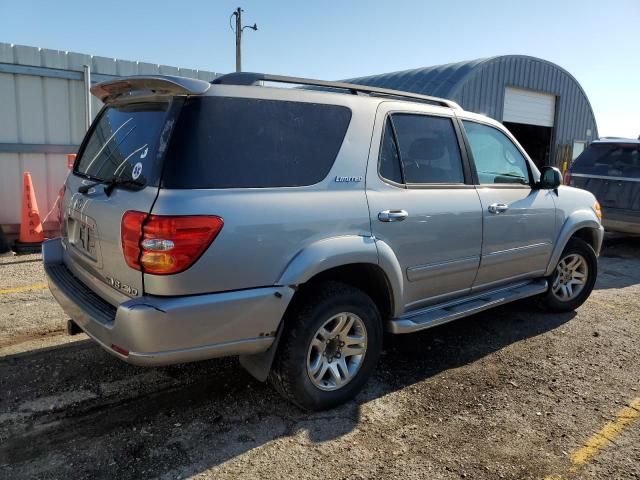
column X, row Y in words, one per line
column 567, row 177
column 131, row 235
column 163, row 245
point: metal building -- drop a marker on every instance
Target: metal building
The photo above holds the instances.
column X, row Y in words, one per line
column 45, row 108
column 541, row 103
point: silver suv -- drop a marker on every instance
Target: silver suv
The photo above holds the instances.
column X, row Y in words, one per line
column 293, row 226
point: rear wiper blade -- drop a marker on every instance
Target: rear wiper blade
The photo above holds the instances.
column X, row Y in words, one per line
column 108, row 188
column 109, row 185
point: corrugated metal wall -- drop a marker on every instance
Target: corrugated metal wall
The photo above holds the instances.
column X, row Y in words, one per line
column 483, row 92
column 42, row 117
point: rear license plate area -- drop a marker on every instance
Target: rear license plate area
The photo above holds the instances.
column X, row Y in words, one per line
column 82, row 234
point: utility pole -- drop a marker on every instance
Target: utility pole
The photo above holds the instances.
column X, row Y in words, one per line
column 238, row 14
column 238, row 31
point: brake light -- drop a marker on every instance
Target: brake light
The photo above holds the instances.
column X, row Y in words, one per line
column 567, row 177
column 163, row 245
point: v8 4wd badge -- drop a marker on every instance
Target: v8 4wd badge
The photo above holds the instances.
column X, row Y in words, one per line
column 118, row 285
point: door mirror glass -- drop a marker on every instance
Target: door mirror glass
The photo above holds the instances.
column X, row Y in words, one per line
column 550, row 178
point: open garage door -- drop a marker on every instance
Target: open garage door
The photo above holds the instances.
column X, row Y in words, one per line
column 530, row 116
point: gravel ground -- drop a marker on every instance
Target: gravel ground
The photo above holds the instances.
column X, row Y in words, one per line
column 509, row 393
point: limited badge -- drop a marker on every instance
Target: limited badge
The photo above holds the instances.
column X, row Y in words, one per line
column 137, row 170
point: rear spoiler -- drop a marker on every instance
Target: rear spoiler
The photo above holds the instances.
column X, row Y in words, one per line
column 153, row 84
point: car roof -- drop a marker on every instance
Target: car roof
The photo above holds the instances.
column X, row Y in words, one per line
column 617, row 140
column 259, row 79
column 120, row 88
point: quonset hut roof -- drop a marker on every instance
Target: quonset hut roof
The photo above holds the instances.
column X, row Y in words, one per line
column 438, row 81
column 479, row 86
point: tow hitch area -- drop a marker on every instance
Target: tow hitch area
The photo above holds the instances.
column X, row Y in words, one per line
column 73, row 328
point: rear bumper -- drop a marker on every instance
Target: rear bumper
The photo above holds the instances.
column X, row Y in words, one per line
column 167, row 330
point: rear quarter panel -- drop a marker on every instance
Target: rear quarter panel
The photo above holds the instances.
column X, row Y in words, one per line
column 266, row 228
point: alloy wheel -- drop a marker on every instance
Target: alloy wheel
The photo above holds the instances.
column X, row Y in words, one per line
column 337, row 351
column 570, row 277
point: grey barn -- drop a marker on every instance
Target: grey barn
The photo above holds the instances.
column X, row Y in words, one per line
column 541, row 103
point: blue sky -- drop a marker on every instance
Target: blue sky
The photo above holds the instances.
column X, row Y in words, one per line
column 597, row 41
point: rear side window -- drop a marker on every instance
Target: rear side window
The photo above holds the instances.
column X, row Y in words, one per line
column 222, row 142
column 609, row 159
column 496, row 158
column 390, row 156
column 124, row 143
column 420, row 149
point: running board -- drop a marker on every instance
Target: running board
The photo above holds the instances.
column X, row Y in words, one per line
column 463, row 307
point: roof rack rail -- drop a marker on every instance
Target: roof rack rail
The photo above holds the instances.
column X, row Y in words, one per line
column 247, row 78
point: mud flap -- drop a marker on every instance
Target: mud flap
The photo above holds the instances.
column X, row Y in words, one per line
column 259, row 364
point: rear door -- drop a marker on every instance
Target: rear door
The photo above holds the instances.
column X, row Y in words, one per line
column 611, row 171
column 423, row 203
column 519, row 221
column 126, row 142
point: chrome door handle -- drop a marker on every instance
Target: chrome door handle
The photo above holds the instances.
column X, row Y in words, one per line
column 498, row 208
column 392, row 215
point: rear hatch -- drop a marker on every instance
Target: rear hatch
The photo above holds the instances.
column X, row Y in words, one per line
column 611, row 171
column 126, row 143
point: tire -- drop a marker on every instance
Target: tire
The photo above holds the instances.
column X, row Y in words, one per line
column 296, row 358
column 557, row 300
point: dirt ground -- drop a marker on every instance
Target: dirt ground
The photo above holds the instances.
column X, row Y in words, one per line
column 511, row 393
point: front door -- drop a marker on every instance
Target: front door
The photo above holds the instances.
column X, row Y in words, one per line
column 519, row 220
column 422, row 202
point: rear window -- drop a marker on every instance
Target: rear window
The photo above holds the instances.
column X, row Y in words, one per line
column 124, row 143
column 221, row 142
column 609, row 159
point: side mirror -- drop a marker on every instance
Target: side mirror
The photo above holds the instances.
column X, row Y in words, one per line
column 550, row 178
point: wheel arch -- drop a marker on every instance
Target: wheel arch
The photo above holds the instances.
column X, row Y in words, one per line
column 363, row 262
column 582, row 224
column 368, row 277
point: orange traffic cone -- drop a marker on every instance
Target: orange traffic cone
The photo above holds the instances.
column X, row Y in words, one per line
column 31, row 232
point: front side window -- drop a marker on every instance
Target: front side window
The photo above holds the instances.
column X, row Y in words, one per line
column 420, row 149
column 496, row 158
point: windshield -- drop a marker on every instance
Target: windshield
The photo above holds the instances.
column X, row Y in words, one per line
column 124, row 143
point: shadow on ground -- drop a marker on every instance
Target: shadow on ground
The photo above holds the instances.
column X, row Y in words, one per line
column 75, row 410
column 620, row 262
